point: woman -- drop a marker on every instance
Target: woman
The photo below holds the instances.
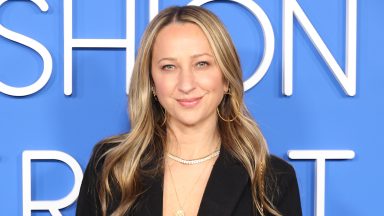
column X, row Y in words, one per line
column 193, row 148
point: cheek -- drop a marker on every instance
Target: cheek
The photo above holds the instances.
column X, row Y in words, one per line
column 157, row 81
column 213, row 82
column 163, row 87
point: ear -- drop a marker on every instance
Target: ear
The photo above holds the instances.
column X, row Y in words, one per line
column 226, row 86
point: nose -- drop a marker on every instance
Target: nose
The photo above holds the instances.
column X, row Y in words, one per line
column 186, row 82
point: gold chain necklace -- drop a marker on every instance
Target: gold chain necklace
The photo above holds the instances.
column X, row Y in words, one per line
column 180, row 211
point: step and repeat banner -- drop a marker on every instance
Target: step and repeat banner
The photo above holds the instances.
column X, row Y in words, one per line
column 313, row 74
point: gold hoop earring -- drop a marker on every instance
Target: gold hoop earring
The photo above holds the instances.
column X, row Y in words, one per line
column 226, row 120
column 227, row 93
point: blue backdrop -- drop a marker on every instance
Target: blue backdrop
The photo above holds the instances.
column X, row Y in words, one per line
column 318, row 115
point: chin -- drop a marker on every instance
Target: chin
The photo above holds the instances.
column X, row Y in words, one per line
column 190, row 123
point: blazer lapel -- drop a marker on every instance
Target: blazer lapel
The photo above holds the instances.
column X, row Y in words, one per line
column 154, row 199
column 225, row 186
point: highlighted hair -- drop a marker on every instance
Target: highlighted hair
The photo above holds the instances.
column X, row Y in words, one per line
column 129, row 161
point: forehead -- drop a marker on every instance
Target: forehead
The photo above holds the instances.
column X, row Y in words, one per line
column 181, row 38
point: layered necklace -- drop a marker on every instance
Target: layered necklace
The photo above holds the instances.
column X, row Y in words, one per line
column 194, row 161
column 180, row 211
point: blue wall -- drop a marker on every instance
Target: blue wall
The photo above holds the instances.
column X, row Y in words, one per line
column 318, row 115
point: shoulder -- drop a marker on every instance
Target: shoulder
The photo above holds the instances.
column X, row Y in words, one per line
column 98, row 155
column 88, row 200
column 279, row 176
column 99, row 152
column 279, row 173
column 282, row 186
column 280, row 167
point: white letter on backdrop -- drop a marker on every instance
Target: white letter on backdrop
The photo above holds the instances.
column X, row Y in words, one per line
column 348, row 79
column 153, row 8
column 52, row 206
column 39, row 48
column 70, row 43
column 269, row 39
column 320, row 156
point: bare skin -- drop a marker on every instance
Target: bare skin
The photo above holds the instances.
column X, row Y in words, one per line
column 190, row 86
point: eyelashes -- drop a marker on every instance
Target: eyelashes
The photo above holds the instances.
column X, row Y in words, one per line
column 202, row 64
column 168, row 67
column 198, row 65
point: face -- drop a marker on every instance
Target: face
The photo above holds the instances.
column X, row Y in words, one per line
column 187, row 80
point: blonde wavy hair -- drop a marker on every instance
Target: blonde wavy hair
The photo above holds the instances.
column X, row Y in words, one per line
column 129, row 161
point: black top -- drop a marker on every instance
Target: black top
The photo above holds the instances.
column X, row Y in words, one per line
column 227, row 192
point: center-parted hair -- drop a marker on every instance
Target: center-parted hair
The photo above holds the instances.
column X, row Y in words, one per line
column 139, row 153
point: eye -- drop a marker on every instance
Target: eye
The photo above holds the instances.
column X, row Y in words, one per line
column 202, row 64
column 168, row 67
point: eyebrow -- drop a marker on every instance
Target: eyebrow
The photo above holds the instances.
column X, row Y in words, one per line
column 193, row 56
column 202, row 54
column 167, row 58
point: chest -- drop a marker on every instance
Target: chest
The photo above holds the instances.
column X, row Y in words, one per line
column 216, row 200
column 183, row 189
column 225, row 191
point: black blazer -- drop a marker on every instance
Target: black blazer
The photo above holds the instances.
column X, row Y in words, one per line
column 227, row 192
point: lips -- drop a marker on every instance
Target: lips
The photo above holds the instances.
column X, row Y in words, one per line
column 189, row 102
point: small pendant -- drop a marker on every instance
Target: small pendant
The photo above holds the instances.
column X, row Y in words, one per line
column 179, row 212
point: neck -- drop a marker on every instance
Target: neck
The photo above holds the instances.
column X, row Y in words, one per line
column 191, row 142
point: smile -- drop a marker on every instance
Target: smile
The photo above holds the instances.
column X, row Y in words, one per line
column 189, row 102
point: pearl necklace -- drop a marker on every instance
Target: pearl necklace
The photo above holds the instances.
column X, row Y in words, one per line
column 193, row 161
